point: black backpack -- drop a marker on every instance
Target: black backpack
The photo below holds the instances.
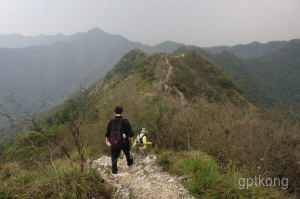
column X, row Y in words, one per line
column 116, row 134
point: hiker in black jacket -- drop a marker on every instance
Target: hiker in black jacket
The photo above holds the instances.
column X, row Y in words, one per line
column 119, row 136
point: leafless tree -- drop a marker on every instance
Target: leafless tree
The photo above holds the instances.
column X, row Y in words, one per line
column 22, row 120
column 77, row 106
column 75, row 103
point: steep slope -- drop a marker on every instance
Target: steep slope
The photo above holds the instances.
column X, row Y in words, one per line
column 279, row 73
column 196, row 76
column 239, row 70
column 121, row 70
column 272, row 79
column 187, row 76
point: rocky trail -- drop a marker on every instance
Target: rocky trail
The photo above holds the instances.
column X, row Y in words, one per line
column 145, row 179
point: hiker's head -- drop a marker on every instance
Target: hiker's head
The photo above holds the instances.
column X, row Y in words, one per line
column 144, row 130
column 118, row 110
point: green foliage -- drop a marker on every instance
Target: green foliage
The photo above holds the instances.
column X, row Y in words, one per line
column 184, row 80
column 87, row 149
column 146, row 70
column 16, row 183
column 53, row 131
column 128, row 61
column 197, row 77
column 164, row 161
column 205, row 174
column 225, row 82
column 92, row 115
column 147, row 74
column 272, row 78
column 124, row 67
column 21, row 147
column 81, row 185
column 109, row 75
column 206, row 179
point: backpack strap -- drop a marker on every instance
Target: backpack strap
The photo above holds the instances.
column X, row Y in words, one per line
column 112, row 120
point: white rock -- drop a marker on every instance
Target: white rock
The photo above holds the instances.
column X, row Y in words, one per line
column 145, row 180
column 171, row 180
column 147, row 160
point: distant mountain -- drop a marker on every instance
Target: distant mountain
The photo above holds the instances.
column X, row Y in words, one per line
column 279, row 72
column 254, row 49
column 238, row 70
column 271, row 79
column 20, row 41
column 38, row 72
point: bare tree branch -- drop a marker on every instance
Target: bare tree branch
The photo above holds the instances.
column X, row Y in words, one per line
column 28, row 119
column 77, row 106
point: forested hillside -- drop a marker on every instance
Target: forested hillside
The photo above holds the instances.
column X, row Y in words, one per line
column 271, row 79
column 203, row 126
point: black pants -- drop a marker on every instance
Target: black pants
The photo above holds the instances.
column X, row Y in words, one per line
column 115, row 152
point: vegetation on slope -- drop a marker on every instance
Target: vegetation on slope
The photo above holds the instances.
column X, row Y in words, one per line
column 125, row 65
column 279, row 73
column 197, row 77
column 17, row 182
column 205, row 178
column 168, row 96
column 271, row 79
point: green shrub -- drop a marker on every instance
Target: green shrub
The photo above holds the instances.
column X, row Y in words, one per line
column 204, row 173
column 207, row 179
column 225, row 82
column 164, row 161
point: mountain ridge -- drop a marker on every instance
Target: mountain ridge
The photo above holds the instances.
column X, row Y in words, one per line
column 271, row 79
column 47, row 71
column 251, row 50
column 189, row 106
column 16, row 40
column 19, row 41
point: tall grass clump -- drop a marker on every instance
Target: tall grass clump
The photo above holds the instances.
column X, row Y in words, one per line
column 71, row 183
column 206, row 179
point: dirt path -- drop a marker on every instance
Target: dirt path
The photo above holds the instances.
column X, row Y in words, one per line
column 145, row 179
column 181, row 96
column 169, row 70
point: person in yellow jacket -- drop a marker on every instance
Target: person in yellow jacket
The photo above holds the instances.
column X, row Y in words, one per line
column 143, row 146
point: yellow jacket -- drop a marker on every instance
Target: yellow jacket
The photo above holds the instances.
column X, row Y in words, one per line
column 145, row 143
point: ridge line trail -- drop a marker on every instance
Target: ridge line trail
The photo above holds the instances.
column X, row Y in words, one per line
column 170, row 68
column 145, row 179
column 181, row 96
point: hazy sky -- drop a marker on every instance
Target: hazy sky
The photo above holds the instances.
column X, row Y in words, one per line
column 198, row 22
